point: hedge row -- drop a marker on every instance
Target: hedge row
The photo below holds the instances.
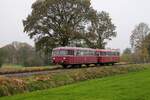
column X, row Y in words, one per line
column 11, row 86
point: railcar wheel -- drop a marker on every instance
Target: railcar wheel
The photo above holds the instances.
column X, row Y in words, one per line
column 79, row 65
column 101, row 64
column 98, row 65
column 88, row 65
column 64, row 66
column 107, row 64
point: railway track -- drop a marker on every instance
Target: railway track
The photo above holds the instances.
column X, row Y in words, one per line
column 26, row 74
column 44, row 72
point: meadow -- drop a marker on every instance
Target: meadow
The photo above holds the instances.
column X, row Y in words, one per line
column 131, row 86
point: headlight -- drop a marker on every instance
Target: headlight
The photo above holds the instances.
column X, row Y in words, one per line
column 64, row 58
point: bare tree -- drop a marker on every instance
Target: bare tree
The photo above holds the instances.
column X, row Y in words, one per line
column 138, row 35
column 101, row 30
column 137, row 39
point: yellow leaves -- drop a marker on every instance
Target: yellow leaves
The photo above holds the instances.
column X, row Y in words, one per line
column 42, row 78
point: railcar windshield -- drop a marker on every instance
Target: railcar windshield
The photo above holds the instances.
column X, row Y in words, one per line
column 62, row 52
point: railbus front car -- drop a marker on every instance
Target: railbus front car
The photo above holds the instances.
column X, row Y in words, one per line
column 73, row 56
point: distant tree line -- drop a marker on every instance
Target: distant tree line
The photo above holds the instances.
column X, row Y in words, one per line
column 140, row 45
column 22, row 54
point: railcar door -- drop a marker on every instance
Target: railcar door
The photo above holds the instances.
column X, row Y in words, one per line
column 71, row 56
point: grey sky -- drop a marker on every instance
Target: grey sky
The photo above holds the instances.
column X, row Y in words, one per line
column 125, row 15
column 12, row 12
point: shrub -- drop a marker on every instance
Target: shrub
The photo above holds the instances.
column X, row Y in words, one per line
column 10, row 86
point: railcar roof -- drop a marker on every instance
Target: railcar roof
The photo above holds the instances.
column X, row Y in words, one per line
column 80, row 48
column 108, row 50
column 72, row 48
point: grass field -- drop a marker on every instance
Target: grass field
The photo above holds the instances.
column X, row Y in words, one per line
column 132, row 86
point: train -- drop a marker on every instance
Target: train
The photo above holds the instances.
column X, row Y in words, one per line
column 73, row 56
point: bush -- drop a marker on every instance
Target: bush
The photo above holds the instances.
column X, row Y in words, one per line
column 10, row 86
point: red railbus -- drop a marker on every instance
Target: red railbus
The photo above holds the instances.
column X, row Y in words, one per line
column 73, row 56
column 77, row 56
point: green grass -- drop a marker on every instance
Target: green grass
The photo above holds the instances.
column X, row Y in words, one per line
column 132, row 86
column 11, row 66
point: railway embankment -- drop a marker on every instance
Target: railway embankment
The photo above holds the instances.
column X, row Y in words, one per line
column 14, row 85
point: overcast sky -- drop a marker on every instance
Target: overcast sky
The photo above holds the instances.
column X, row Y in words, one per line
column 125, row 15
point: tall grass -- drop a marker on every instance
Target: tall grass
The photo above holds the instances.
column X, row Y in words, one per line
column 11, row 66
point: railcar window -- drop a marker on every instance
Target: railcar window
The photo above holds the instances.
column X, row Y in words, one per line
column 118, row 53
column 85, row 53
column 98, row 53
column 78, row 52
column 63, row 52
column 111, row 53
column 55, row 52
column 114, row 54
column 82, row 53
column 108, row 53
column 103, row 53
column 70, row 52
column 91, row 53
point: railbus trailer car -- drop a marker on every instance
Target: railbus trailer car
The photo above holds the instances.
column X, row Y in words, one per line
column 110, row 56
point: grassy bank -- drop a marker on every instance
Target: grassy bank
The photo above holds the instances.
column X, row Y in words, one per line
column 11, row 86
column 18, row 68
column 132, row 86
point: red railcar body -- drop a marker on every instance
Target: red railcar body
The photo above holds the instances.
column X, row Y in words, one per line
column 74, row 56
column 77, row 56
column 107, row 56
